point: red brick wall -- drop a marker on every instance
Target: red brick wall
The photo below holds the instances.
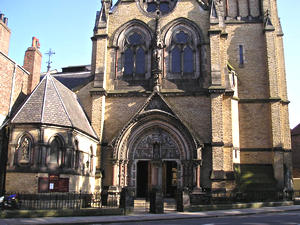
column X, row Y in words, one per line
column 7, row 68
column 4, row 38
column 32, row 63
column 296, row 150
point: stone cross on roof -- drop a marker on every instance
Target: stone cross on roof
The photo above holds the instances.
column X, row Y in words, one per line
column 50, row 53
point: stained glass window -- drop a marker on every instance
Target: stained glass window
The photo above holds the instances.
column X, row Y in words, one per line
column 188, row 60
column 176, row 60
column 140, row 61
column 128, row 64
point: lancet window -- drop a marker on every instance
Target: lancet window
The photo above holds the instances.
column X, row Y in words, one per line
column 56, row 152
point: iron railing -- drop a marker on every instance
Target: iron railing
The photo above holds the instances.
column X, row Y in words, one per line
column 65, row 200
column 241, row 197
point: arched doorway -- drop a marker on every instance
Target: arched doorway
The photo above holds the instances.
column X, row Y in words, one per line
column 155, row 152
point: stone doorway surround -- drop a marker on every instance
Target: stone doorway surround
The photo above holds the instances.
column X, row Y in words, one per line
column 156, row 137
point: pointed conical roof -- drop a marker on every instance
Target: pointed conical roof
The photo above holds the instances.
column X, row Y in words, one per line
column 296, row 130
column 53, row 103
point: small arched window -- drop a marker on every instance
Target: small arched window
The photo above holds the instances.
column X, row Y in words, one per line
column 134, row 56
column 56, row 152
column 24, row 150
column 77, row 155
column 91, row 160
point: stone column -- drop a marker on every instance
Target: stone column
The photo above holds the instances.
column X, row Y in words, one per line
column 115, row 173
column 125, row 173
column 218, row 174
column 156, row 179
column 197, row 165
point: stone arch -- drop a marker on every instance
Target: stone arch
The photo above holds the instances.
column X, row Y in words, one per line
column 23, row 155
column 155, row 119
column 56, row 154
column 121, row 41
column 175, row 144
column 187, row 24
column 132, row 24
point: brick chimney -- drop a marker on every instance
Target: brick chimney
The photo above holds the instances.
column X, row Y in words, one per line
column 32, row 63
column 4, row 34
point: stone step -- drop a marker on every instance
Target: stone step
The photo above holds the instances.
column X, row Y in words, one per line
column 169, row 203
column 141, row 203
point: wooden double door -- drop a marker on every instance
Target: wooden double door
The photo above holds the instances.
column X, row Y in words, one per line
column 160, row 175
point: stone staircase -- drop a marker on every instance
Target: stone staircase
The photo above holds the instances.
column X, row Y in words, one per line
column 143, row 206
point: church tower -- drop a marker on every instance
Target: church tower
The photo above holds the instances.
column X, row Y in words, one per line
column 190, row 94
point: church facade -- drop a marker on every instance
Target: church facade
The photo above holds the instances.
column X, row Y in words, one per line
column 184, row 94
column 190, row 94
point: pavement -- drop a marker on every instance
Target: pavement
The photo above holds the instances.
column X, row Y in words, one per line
column 169, row 215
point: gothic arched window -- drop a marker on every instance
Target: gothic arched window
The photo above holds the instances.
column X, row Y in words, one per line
column 77, row 154
column 56, row 152
column 91, row 160
column 134, row 55
column 182, row 54
column 24, row 149
column 183, row 50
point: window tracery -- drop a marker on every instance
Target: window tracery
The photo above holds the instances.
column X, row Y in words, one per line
column 182, row 56
column 152, row 7
column 182, row 53
column 134, row 55
column 133, row 61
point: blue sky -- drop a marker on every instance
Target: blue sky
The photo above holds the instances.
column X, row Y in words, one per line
column 66, row 27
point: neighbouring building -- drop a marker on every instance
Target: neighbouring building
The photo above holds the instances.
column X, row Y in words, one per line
column 47, row 141
column 180, row 94
column 295, row 135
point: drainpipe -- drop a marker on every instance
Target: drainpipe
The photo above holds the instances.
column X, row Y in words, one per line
column 12, row 89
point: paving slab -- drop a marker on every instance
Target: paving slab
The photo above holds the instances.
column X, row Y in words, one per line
column 145, row 217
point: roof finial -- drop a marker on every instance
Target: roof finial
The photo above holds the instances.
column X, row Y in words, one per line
column 50, row 53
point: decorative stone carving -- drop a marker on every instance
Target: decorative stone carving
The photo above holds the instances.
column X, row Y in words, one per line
column 154, row 7
column 157, row 145
column 23, row 150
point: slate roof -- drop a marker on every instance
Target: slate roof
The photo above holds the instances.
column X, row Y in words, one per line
column 73, row 80
column 296, row 130
column 53, row 103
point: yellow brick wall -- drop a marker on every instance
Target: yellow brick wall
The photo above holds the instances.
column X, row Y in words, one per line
column 256, row 157
column 118, row 111
column 252, row 77
column 195, row 113
column 255, row 126
column 22, row 182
